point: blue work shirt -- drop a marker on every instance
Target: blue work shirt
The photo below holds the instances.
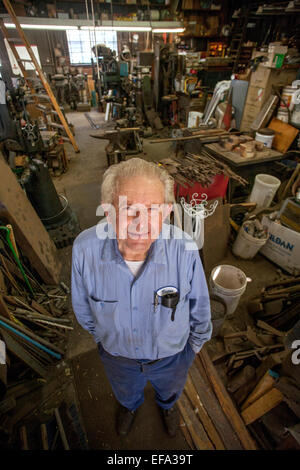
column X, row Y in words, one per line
column 118, row 309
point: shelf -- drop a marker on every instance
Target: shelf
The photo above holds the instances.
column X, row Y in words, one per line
column 137, row 6
column 189, row 36
column 108, row 3
column 199, row 10
column 282, row 13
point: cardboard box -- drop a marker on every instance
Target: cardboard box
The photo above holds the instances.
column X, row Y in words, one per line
column 260, row 76
column 260, row 88
column 255, row 95
column 249, row 115
column 276, row 55
column 282, row 247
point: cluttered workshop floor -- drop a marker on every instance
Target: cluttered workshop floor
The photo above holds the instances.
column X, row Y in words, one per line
column 76, row 409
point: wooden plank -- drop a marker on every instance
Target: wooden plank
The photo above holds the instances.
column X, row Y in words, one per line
column 194, row 426
column 22, row 354
column 23, row 438
column 226, row 402
column 264, row 326
column 202, row 415
column 9, row 276
column 190, row 137
column 186, row 433
column 38, row 307
column 3, row 308
column 61, row 429
column 33, row 239
column 7, row 405
column 214, row 410
column 263, row 386
column 44, row 436
column 40, row 73
column 32, row 335
column 262, row 406
column 285, row 134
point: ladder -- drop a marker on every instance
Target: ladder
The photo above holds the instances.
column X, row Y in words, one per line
column 238, row 37
column 37, row 69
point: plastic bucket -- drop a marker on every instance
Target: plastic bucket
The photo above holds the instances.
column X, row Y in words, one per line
column 266, row 137
column 246, row 246
column 229, row 283
column 283, row 115
column 287, row 94
column 264, row 189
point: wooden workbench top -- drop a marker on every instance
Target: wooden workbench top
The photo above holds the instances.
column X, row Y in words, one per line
column 236, row 159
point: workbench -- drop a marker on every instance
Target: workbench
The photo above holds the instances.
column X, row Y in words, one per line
column 247, row 168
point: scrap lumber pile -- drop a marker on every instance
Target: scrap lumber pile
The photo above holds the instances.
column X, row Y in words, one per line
column 278, row 304
column 190, row 168
column 259, row 370
column 34, row 325
column 60, row 430
column 210, row 420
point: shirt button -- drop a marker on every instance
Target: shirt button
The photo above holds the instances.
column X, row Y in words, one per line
column 136, row 349
column 135, row 309
column 134, row 330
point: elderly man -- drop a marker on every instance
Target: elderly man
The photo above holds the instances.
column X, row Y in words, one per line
column 140, row 290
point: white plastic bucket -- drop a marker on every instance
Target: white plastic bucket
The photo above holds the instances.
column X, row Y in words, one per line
column 287, row 94
column 229, row 283
column 246, row 246
column 265, row 138
column 283, row 115
column 264, row 189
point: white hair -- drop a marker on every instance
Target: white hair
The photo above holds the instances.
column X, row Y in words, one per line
column 129, row 169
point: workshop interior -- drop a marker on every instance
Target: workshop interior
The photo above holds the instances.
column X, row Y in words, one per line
column 209, row 90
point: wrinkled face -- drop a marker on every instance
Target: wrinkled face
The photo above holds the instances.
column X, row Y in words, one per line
column 140, row 212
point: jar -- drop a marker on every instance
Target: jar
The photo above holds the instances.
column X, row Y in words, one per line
column 286, row 95
column 266, row 136
column 283, row 115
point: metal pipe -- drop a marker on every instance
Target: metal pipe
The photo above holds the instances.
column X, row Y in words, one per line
column 40, row 346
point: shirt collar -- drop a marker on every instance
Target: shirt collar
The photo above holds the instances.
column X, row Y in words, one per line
column 110, row 250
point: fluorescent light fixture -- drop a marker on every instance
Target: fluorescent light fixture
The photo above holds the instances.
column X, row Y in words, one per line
column 168, row 30
column 132, row 28
column 135, row 29
column 42, row 26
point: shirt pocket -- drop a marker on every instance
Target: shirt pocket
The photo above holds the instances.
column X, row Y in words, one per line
column 182, row 308
column 106, row 316
column 163, row 314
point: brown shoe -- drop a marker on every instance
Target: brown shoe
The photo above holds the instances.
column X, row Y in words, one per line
column 125, row 419
column 171, row 420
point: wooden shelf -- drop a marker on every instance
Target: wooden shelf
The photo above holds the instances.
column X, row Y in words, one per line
column 101, row 4
column 189, row 36
column 199, row 10
column 137, row 5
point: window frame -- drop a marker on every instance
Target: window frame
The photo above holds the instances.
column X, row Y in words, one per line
column 112, row 44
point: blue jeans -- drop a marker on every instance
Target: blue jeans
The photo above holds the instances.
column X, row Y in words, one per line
column 128, row 377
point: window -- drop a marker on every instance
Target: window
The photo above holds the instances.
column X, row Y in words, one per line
column 81, row 42
column 23, row 54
